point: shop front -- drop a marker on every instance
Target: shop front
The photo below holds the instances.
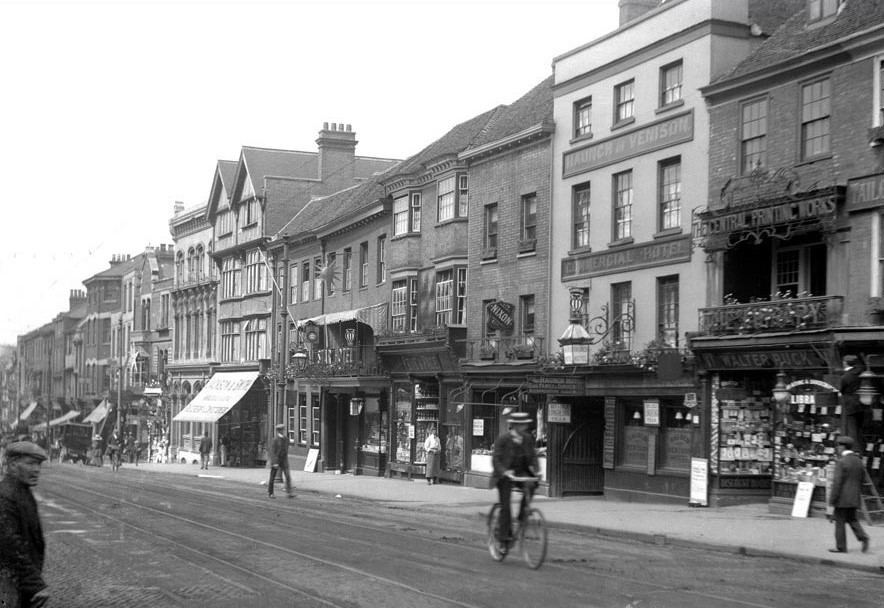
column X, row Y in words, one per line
column 232, row 407
column 426, row 393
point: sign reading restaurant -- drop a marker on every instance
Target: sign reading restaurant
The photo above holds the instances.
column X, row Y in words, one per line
column 655, row 136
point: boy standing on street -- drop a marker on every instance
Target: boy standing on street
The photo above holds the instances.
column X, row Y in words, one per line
column 279, row 461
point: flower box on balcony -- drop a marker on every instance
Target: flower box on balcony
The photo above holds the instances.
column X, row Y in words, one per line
column 489, row 253
column 487, row 353
column 522, row 352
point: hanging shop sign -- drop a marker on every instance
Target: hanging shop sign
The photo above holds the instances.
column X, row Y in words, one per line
column 559, row 412
column 500, row 315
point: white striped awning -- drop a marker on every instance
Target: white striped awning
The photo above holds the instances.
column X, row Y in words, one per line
column 373, row 316
column 56, row 421
column 30, row 410
column 98, row 414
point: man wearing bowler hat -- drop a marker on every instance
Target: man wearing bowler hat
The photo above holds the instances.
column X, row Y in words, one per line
column 22, row 548
column 279, row 461
column 846, row 495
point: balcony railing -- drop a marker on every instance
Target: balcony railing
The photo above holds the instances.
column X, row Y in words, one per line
column 409, row 337
column 345, row 361
column 789, row 314
column 506, row 349
column 196, row 279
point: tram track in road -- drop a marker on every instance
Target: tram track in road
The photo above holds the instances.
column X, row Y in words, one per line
column 215, row 556
column 361, row 536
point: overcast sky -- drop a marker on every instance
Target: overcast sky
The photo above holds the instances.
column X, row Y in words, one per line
column 111, row 111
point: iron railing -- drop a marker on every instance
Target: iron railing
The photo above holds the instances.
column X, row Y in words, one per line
column 788, row 314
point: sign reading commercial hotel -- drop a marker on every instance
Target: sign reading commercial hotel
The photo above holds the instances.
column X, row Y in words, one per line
column 643, row 255
column 661, row 134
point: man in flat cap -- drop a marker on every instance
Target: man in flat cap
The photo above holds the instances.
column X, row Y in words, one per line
column 21, row 537
column 279, row 461
column 514, row 454
column 846, row 495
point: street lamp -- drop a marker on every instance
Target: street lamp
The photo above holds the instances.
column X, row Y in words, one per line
column 299, row 358
column 781, row 392
column 575, row 342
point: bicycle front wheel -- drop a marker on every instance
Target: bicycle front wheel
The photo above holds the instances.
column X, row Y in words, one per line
column 533, row 539
column 497, row 549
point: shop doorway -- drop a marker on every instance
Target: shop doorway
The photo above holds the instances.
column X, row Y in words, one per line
column 580, row 454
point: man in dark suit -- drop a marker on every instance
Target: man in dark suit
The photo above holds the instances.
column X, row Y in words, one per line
column 851, row 409
column 846, row 494
column 279, row 461
column 514, row 454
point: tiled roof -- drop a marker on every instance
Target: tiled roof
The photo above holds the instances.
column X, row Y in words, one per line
column 455, row 141
column 227, row 168
column 769, row 15
column 534, row 107
column 795, row 39
column 263, row 162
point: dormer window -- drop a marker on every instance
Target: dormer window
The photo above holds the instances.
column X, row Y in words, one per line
column 817, row 10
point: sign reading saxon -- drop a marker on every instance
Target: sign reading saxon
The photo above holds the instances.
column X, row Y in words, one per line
column 865, row 193
column 770, row 359
column 634, row 257
column 655, row 136
column 500, row 315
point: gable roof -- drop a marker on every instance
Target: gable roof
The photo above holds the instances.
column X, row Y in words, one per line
column 794, row 39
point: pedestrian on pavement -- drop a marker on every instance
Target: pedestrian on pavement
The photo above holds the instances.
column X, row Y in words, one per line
column 225, row 448
column 846, row 495
column 205, row 450
column 514, row 454
column 115, row 447
column 132, row 448
column 279, row 461
column 433, row 447
column 22, row 548
column 852, row 412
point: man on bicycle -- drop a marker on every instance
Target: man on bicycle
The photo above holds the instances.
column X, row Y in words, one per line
column 114, row 448
column 514, row 455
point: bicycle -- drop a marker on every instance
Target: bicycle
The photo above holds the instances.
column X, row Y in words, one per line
column 116, row 459
column 530, row 533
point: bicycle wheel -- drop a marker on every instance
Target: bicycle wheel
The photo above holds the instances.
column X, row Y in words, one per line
column 497, row 549
column 533, row 539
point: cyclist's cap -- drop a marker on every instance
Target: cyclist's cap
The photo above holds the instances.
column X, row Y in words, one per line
column 26, row 448
column 520, row 418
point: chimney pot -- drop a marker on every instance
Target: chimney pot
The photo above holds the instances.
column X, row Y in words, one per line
column 325, row 126
column 334, row 126
column 349, row 128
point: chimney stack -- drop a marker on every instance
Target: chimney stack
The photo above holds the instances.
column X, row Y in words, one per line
column 633, row 9
column 337, row 155
column 78, row 296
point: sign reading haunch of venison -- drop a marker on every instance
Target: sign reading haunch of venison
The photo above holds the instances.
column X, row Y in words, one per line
column 655, row 136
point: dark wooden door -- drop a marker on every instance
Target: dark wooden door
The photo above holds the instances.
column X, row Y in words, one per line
column 581, row 451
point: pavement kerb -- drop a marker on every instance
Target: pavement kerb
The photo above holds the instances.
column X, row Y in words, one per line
column 658, row 538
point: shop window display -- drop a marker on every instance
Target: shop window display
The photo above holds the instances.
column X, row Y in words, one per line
column 375, row 428
column 807, row 430
column 402, row 423
column 745, row 446
column 426, row 412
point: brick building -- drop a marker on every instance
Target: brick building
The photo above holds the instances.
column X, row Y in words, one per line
column 795, row 195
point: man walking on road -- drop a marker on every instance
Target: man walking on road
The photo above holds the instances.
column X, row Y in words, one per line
column 205, row 450
column 279, row 461
column 22, row 548
column 846, row 495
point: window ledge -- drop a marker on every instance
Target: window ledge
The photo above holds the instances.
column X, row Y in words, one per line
column 454, row 220
column 488, row 261
column 670, row 106
column 580, row 138
column 623, row 123
column 667, row 232
column 621, row 242
column 526, row 254
column 249, row 225
column 814, row 159
column 405, row 235
column 579, row 250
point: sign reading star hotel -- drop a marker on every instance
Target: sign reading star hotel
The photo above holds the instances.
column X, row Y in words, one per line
column 661, row 134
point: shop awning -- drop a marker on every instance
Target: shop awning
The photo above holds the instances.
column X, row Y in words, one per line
column 218, row 396
column 98, row 414
column 56, row 421
column 28, row 411
column 373, row 316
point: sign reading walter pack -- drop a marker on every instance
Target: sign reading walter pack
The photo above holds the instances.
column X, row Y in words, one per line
column 799, row 358
column 500, row 315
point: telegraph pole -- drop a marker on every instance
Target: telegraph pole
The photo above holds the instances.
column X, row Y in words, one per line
column 120, row 375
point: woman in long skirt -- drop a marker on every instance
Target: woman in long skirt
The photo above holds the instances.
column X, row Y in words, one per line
column 433, row 447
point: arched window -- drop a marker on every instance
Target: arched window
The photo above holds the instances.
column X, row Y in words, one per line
column 200, row 260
